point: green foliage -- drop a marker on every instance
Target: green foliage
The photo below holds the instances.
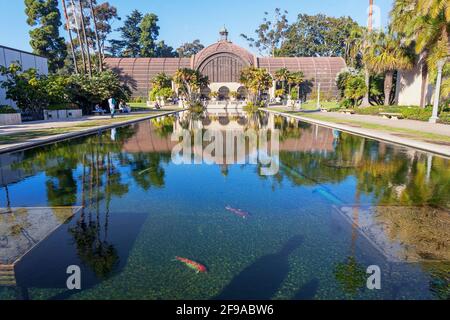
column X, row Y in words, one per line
column 129, row 45
column 234, row 94
column 252, row 107
column 149, row 32
column 138, row 100
column 425, row 25
column 161, row 80
column 256, row 80
column 189, row 82
column 26, row 88
column 350, row 275
column 63, row 106
column 187, row 50
column 352, row 86
column 214, row 94
column 294, row 94
column 44, row 38
column 279, row 93
column 355, row 90
column 85, row 91
column 317, row 35
column 7, row 109
column 34, row 92
column 407, row 112
column 270, row 33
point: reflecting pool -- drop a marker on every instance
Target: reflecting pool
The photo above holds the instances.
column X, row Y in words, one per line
column 116, row 205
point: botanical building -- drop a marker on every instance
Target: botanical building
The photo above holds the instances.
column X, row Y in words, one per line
column 223, row 62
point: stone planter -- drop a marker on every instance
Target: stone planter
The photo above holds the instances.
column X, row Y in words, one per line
column 10, row 118
column 62, row 114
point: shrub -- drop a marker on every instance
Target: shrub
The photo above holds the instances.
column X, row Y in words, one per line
column 214, row 94
column 355, row 89
column 252, row 107
column 138, row 100
column 234, row 94
column 63, row 106
column 279, row 93
column 7, row 109
column 294, row 94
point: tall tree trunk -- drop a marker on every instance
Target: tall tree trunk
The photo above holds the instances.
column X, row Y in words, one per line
column 83, row 28
column 74, row 56
column 366, row 102
column 80, row 40
column 424, row 72
column 388, row 79
column 97, row 38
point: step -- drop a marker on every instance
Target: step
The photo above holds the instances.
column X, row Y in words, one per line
column 6, row 267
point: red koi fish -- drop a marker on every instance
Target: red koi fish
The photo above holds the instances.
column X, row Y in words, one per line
column 238, row 212
column 199, row 268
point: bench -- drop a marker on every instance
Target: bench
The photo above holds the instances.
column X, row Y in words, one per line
column 348, row 111
column 99, row 113
column 393, row 116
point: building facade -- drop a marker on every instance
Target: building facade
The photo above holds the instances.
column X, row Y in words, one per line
column 223, row 62
column 26, row 60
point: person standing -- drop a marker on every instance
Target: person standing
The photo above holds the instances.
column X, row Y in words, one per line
column 112, row 106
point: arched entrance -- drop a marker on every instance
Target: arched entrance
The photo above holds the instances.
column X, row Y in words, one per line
column 204, row 92
column 224, row 93
column 242, row 93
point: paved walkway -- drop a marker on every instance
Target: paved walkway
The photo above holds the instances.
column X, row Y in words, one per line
column 331, row 119
column 438, row 128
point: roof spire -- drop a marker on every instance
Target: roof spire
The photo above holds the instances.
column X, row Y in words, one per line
column 223, row 34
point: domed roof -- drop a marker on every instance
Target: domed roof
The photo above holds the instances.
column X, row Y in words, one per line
column 223, row 46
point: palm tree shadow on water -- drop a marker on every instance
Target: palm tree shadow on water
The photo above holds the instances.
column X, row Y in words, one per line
column 262, row 279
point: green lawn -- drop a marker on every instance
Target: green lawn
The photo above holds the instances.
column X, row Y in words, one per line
column 139, row 105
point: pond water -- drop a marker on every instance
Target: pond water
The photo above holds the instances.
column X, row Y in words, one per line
column 117, row 206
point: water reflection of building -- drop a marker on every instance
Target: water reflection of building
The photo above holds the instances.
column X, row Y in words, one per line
column 310, row 138
column 8, row 174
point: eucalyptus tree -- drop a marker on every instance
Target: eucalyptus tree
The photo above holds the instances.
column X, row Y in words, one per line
column 69, row 30
column 270, row 33
column 282, row 75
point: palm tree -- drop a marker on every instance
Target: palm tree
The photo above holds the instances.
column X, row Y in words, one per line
column 72, row 48
column 295, row 79
column 359, row 45
column 426, row 24
column 190, row 81
column 256, row 80
column 387, row 54
column 282, row 76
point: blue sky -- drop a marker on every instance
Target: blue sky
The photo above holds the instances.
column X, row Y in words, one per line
column 182, row 21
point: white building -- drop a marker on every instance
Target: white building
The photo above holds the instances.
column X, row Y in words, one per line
column 27, row 61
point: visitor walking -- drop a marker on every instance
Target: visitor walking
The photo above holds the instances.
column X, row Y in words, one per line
column 112, row 106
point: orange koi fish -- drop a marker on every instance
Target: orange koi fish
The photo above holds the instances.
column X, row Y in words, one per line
column 238, row 212
column 199, row 268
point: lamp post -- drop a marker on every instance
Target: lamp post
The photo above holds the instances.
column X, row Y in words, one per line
column 434, row 118
column 318, row 97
